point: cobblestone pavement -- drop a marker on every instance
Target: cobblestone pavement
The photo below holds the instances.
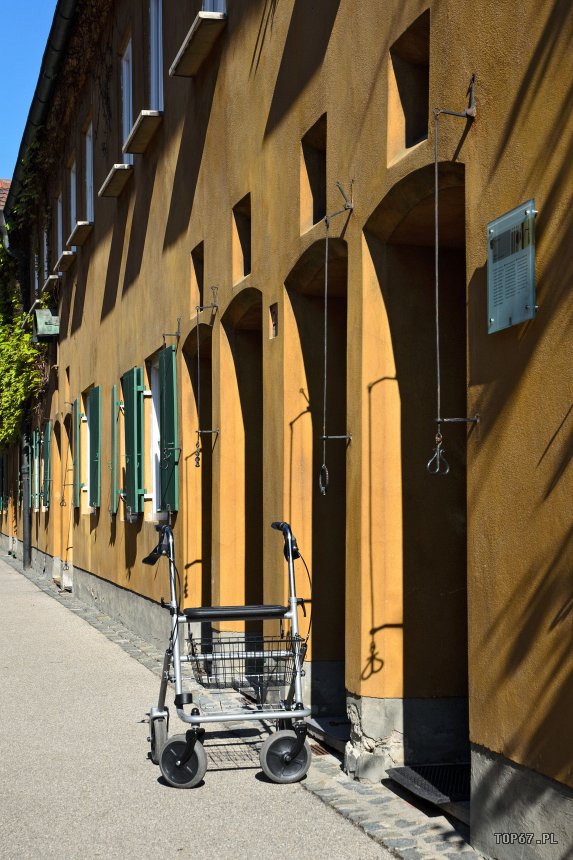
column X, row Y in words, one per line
column 408, row 831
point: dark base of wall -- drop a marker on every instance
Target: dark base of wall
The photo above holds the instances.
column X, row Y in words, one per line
column 141, row 615
column 389, row 733
column 509, row 802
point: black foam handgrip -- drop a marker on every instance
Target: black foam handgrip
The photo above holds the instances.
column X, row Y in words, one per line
column 280, row 527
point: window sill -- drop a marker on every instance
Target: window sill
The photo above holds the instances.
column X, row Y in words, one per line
column 116, row 180
column 51, row 281
column 80, row 233
column 65, row 261
column 198, row 43
column 142, row 132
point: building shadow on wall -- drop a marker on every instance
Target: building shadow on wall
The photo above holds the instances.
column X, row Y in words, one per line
column 140, row 218
column 399, row 237
column 197, row 112
column 305, row 290
column 115, row 256
column 307, row 40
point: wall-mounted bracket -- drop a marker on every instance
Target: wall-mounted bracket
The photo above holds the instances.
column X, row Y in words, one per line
column 176, row 334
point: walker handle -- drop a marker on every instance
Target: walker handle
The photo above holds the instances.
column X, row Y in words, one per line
column 291, row 548
column 281, row 527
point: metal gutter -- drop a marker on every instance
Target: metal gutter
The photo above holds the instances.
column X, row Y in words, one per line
column 55, row 47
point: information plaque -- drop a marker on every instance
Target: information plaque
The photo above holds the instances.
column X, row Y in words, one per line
column 511, row 268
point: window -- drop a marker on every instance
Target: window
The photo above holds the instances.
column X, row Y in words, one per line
column 73, row 197
column 94, row 446
column 114, row 492
column 46, row 255
column 89, row 164
column 77, row 451
column 155, row 442
column 35, row 470
column 241, row 243
column 163, row 448
column 126, row 100
column 313, row 175
column 408, row 88
column 156, row 55
column 60, row 226
column 214, row 6
column 134, row 491
column 46, row 451
column 168, row 433
column 36, row 270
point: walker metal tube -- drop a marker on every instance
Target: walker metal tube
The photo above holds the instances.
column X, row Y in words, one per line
column 174, row 618
column 225, row 716
column 294, row 620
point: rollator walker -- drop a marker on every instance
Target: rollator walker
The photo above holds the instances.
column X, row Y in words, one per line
column 266, row 670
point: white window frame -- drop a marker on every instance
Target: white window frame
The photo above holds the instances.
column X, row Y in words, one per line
column 60, row 225
column 89, row 177
column 46, row 255
column 36, row 270
column 156, row 55
column 88, row 456
column 36, row 471
column 126, row 99
column 154, row 436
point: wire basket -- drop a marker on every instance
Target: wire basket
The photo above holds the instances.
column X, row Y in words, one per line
column 249, row 663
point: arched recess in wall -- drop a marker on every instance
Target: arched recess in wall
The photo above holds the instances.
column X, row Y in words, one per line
column 67, row 500
column 319, row 521
column 197, row 487
column 240, row 497
column 428, row 568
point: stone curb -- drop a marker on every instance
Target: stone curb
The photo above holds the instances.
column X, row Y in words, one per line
column 404, row 830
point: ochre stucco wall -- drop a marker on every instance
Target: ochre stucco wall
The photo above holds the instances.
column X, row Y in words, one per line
column 235, row 130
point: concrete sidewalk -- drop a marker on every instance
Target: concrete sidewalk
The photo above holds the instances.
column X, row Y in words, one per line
column 75, row 780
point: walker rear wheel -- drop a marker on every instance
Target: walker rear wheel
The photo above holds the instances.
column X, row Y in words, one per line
column 189, row 774
column 275, row 755
column 157, row 737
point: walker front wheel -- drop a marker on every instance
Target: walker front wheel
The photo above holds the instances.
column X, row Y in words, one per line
column 157, row 737
column 186, row 775
column 276, row 760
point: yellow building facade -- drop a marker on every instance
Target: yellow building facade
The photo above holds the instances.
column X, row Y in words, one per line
column 217, row 173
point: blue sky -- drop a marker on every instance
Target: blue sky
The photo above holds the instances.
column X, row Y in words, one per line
column 24, row 32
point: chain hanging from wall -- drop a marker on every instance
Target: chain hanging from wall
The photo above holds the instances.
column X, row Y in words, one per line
column 323, row 478
column 437, row 464
column 200, row 431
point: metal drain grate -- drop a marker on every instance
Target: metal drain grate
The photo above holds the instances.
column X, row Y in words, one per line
column 436, row 783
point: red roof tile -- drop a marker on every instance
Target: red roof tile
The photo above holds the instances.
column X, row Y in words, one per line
column 4, row 188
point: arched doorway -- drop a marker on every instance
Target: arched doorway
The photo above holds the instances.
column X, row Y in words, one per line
column 240, row 473
column 430, row 569
column 319, row 521
column 197, row 413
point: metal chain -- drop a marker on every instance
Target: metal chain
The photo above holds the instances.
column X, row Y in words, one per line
column 323, row 477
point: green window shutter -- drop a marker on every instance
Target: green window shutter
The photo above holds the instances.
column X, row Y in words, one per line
column 36, row 469
column 77, row 419
column 46, row 450
column 114, row 488
column 132, row 384
column 95, row 446
column 168, row 437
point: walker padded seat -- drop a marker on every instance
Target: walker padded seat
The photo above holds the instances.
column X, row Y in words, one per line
column 235, row 613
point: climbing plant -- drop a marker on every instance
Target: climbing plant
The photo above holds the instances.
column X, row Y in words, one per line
column 22, row 362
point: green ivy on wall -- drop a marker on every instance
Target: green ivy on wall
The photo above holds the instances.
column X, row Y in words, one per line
column 21, row 360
